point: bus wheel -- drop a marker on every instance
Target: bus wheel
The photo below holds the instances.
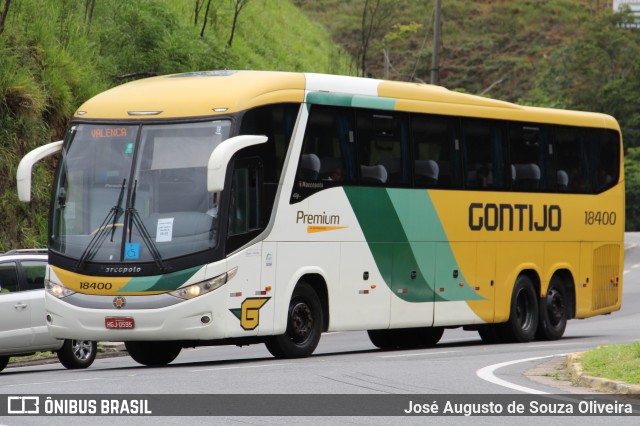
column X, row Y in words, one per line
column 490, row 333
column 304, row 325
column 523, row 317
column 76, row 354
column 553, row 312
column 4, row 360
column 384, row 339
column 428, row 336
column 153, row 354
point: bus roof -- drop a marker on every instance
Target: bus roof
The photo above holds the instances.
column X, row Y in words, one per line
column 210, row 93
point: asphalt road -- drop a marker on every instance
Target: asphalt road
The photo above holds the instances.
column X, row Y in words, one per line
column 347, row 363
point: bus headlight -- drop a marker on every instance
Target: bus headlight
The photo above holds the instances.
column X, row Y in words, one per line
column 204, row 287
column 57, row 290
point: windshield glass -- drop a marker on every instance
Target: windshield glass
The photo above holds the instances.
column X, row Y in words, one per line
column 136, row 193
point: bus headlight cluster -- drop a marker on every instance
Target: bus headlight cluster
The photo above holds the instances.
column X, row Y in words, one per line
column 203, row 287
column 57, row 290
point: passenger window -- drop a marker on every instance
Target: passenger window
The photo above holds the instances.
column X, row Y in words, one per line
column 484, row 156
column 606, row 159
column 383, row 152
column 572, row 166
column 34, row 272
column 435, row 149
column 328, row 152
column 8, row 277
column 527, row 154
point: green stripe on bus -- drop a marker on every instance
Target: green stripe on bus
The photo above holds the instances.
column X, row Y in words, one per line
column 358, row 101
column 166, row 282
column 387, row 218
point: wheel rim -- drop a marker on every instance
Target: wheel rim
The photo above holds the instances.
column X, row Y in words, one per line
column 82, row 349
column 524, row 312
column 301, row 324
column 555, row 307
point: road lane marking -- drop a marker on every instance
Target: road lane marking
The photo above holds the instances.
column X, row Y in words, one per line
column 486, row 373
column 236, row 368
column 420, row 354
column 49, row 383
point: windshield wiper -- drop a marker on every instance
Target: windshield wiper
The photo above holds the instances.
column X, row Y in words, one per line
column 134, row 218
column 101, row 232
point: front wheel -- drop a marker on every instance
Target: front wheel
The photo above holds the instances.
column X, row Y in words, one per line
column 523, row 316
column 76, row 354
column 153, row 354
column 4, row 360
column 304, row 325
column 553, row 312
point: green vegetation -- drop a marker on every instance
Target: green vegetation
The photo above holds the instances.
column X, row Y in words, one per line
column 617, row 362
column 55, row 55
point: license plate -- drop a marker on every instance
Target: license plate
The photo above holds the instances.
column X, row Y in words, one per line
column 119, row 323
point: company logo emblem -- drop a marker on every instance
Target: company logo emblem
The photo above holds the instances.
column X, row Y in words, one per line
column 23, row 405
column 119, row 302
column 249, row 312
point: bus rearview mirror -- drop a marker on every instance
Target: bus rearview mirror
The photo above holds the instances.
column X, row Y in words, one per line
column 23, row 175
column 221, row 155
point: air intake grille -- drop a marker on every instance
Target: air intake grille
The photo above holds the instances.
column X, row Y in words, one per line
column 605, row 276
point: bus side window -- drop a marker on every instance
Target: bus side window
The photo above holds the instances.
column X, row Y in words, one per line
column 571, row 160
column 328, row 152
column 383, row 148
column 435, row 151
column 527, row 151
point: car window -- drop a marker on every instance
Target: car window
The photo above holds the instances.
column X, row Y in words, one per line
column 8, row 277
column 34, row 272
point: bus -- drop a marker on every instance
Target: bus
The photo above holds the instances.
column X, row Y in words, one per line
column 242, row 207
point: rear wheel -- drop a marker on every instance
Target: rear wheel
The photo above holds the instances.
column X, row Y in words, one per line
column 76, row 354
column 523, row 317
column 304, row 325
column 153, row 354
column 4, row 360
column 490, row 333
column 553, row 312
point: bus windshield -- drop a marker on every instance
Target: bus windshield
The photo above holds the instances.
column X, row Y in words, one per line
column 136, row 193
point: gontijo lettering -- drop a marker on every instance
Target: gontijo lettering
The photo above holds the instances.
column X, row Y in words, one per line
column 514, row 217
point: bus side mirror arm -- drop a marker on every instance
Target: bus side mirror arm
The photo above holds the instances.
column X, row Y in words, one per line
column 221, row 155
column 23, row 175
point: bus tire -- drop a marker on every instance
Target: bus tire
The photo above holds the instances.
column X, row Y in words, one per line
column 490, row 333
column 153, row 354
column 384, row 339
column 523, row 316
column 4, row 360
column 304, row 325
column 553, row 312
column 406, row 338
column 77, row 354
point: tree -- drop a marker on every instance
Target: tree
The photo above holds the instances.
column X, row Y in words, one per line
column 377, row 16
column 206, row 15
column 238, row 5
column 5, row 12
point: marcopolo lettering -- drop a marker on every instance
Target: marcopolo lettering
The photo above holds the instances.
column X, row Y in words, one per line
column 514, row 217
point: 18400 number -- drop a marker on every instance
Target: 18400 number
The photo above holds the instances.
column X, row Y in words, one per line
column 599, row 218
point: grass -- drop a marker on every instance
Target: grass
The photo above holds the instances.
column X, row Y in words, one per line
column 617, row 362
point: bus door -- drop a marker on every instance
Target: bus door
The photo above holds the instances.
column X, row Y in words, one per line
column 248, row 297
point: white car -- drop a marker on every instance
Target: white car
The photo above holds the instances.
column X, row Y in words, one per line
column 23, row 325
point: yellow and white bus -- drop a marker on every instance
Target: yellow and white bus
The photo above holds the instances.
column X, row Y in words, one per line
column 238, row 207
